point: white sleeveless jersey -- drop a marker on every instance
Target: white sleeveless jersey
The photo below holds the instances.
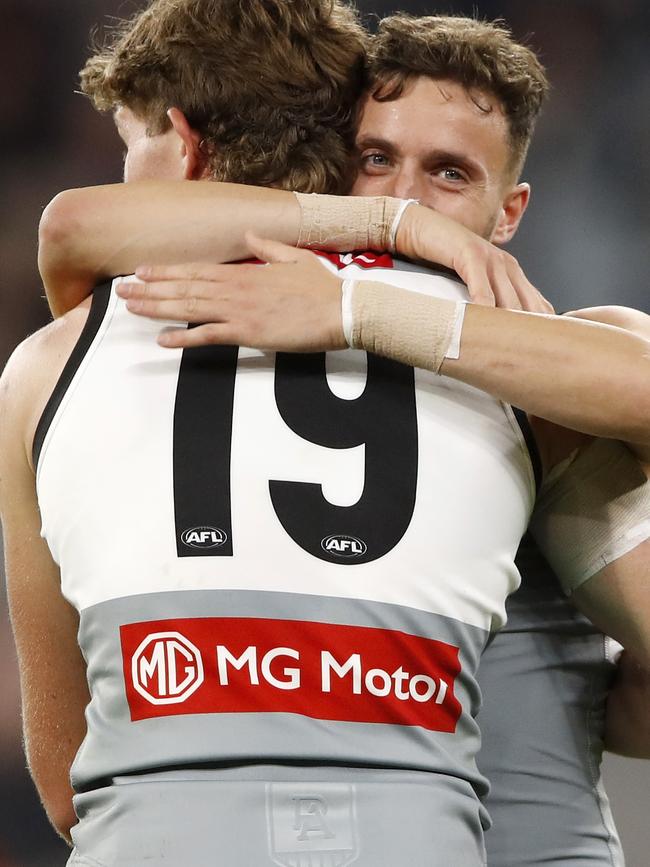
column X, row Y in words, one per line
column 279, row 558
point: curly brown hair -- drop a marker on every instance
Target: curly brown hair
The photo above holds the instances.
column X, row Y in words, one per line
column 479, row 55
column 270, row 85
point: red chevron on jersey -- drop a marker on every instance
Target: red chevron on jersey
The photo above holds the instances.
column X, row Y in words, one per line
column 367, row 259
column 319, row 670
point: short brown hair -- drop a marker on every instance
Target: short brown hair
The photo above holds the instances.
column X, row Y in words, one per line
column 270, row 85
column 479, row 55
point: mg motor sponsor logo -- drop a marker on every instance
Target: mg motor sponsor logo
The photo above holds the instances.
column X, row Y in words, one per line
column 344, row 546
column 204, row 537
column 259, row 665
column 166, row 668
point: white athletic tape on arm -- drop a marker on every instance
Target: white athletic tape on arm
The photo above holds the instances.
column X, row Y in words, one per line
column 347, row 316
column 392, row 238
column 410, row 327
column 592, row 513
column 349, row 223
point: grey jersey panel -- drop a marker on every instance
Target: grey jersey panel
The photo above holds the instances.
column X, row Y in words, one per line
column 129, row 734
column 265, row 815
column 544, row 680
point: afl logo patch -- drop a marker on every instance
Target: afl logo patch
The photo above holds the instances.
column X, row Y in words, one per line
column 344, row 546
column 203, row 537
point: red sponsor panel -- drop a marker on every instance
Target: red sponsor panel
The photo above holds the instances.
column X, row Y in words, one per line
column 320, row 670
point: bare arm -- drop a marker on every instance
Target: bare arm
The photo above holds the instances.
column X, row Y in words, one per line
column 634, row 321
column 88, row 235
column 52, row 671
column 617, row 601
column 627, row 723
column 583, row 375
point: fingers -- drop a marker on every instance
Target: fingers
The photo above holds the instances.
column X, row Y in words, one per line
column 177, row 301
column 495, row 278
column 505, row 291
column 203, row 335
column 530, row 298
column 186, row 271
column 479, row 285
column 272, row 251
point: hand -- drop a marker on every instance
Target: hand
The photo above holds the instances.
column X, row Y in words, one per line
column 291, row 305
column 493, row 277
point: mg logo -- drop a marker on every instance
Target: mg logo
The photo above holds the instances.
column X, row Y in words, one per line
column 166, row 668
column 203, row 537
column 344, row 546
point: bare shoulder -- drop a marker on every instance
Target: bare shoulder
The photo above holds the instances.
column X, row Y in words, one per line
column 32, row 372
column 622, row 317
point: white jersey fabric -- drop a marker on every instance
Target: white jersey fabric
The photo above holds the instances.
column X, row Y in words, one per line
column 280, row 562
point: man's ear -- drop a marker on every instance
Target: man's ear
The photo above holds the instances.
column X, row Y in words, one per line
column 512, row 210
column 194, row 164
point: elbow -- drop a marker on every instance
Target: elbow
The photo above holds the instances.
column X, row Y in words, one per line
column 62, row 818
column 59, row 223
column 60, row 255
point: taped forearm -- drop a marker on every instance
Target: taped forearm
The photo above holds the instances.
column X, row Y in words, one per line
column 94, row 233
column 409, row 327
column 549, row 366
column 354, row 223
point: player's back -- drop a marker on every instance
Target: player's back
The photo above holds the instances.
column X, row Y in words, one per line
column 286, row 569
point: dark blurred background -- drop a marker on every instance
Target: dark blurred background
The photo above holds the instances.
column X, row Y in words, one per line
column 584, row 240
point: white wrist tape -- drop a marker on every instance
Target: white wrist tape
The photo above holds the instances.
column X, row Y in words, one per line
column 347, row 315
column 409, row 327
column 592, row 512
column 349, row 223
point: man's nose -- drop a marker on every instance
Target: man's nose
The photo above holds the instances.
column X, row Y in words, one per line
column 406, row 185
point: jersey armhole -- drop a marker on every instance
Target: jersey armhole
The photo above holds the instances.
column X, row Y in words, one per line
column 99, row 304
column 531, row 445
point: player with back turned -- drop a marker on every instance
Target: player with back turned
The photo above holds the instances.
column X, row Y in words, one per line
column 547, row 648
column 202, row 652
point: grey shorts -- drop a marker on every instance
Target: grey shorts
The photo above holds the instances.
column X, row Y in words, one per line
column 266, row 815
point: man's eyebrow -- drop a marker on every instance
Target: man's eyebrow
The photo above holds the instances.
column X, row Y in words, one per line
column 373, row 141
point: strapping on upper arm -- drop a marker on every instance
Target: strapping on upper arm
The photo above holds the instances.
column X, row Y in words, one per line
column 592, row 509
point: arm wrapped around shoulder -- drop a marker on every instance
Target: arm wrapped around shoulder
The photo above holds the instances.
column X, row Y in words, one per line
column 592, row 509
column 416, row 329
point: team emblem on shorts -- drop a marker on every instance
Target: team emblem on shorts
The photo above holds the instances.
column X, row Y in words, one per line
column 312, row 824
column 341, row 545
column 204, row 537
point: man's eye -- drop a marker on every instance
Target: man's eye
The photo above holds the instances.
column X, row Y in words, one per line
column 374, row 160
column 452, row 175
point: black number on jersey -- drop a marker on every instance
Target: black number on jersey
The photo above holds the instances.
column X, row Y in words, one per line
column 383, row 418
column 202, row 438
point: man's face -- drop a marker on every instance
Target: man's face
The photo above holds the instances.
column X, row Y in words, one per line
column 148, row 157
column 436, row 145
